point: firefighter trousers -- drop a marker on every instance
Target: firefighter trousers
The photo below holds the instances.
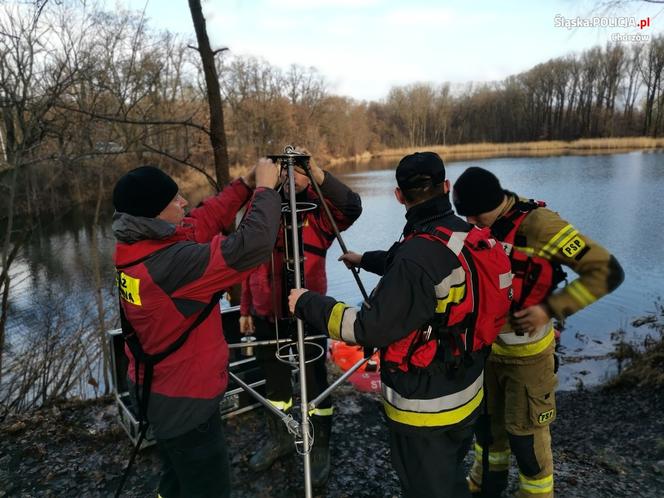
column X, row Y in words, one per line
column 431, row 465
column 521, row 405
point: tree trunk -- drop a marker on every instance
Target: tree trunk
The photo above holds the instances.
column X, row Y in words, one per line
column 99, row 286
column 217, row 132
column 7, row 260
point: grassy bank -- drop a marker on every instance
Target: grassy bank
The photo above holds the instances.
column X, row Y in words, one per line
column 644, row 360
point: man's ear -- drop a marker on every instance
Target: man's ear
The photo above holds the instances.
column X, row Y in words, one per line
column 446, row 186
column 399, row 195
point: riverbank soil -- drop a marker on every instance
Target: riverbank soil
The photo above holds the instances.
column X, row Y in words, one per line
column 608, row 442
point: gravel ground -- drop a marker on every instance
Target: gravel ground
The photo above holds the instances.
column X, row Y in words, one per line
column 608, row 442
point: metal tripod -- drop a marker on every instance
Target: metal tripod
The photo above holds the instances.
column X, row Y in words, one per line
column 302, row 432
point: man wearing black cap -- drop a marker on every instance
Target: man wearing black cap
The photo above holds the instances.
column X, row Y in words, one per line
column 520, row 372
column 430, row 400
column 171, row 270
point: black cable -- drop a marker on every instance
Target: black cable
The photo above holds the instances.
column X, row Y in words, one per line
column 144, row 430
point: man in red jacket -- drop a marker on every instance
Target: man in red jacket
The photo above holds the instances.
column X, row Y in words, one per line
column 264, row 288
column 170, row 267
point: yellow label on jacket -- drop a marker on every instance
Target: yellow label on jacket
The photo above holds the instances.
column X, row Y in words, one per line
column 571, row 248
column 130, row 289
column 543, row 417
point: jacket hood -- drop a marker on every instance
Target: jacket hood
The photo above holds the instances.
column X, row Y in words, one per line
column 129, row 229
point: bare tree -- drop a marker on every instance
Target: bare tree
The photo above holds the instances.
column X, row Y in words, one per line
column 652, row 72
column 217, row 130
column 33, row 74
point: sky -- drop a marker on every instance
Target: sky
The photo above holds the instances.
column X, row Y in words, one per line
column 364, row 47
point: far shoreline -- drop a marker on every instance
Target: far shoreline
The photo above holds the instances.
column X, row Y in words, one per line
column 198, row 188
column 486, row 150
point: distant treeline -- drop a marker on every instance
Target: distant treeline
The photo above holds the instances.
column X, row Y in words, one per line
column 613, row 91
column 86, row 93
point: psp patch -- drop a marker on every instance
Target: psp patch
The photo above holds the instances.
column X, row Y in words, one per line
column 571, row 248
column 130, row 289
column 546, row 416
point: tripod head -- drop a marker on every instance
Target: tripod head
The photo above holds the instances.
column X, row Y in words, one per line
column 291, row 156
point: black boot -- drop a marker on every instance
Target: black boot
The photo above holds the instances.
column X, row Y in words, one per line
column 279, row 443
column 320, row 452
column 495, row 485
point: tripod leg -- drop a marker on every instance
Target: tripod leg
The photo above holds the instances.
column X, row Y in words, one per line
column 300, row 337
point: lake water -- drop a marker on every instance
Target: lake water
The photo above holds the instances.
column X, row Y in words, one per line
column 614, row 199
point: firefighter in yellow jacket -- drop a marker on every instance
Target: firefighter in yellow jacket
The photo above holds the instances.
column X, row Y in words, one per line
column 520, row 371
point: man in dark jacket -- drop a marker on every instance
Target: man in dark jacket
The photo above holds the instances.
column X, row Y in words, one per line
column 264, row 288
column 430, row 410
column 171, row 268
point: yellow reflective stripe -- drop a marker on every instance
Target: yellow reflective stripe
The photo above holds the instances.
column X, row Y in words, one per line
column 557, row 241
column 334, row 322
column 528, row 349
column 580, row 293
column 564, row 242
column 433, row 405
column 456, row 295
column 536, row 486
column 495, row 457
column 322, row 412
column 528, row 251
column 449, row 417
column 456, row 277
column 282, row 405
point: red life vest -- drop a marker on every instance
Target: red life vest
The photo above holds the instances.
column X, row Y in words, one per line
column 535, row 277
column 470, row 323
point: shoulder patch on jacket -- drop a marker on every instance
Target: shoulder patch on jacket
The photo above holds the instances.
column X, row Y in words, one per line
column 572, row 247
column 130, row 289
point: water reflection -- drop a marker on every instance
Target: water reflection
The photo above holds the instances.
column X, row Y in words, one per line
column 613, row 198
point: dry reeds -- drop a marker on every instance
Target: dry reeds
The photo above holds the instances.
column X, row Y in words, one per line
column 197, row 187
column 551, row 147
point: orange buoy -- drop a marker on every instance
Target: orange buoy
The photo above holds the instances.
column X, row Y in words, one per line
column 345, row 356
column 364, row 379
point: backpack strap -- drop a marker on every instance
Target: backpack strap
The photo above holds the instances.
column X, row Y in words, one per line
column 441, row 235
column 465, row 327
column 506, row 223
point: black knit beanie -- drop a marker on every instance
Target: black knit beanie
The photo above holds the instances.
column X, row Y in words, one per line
column 144, row 191
column 477, row 191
